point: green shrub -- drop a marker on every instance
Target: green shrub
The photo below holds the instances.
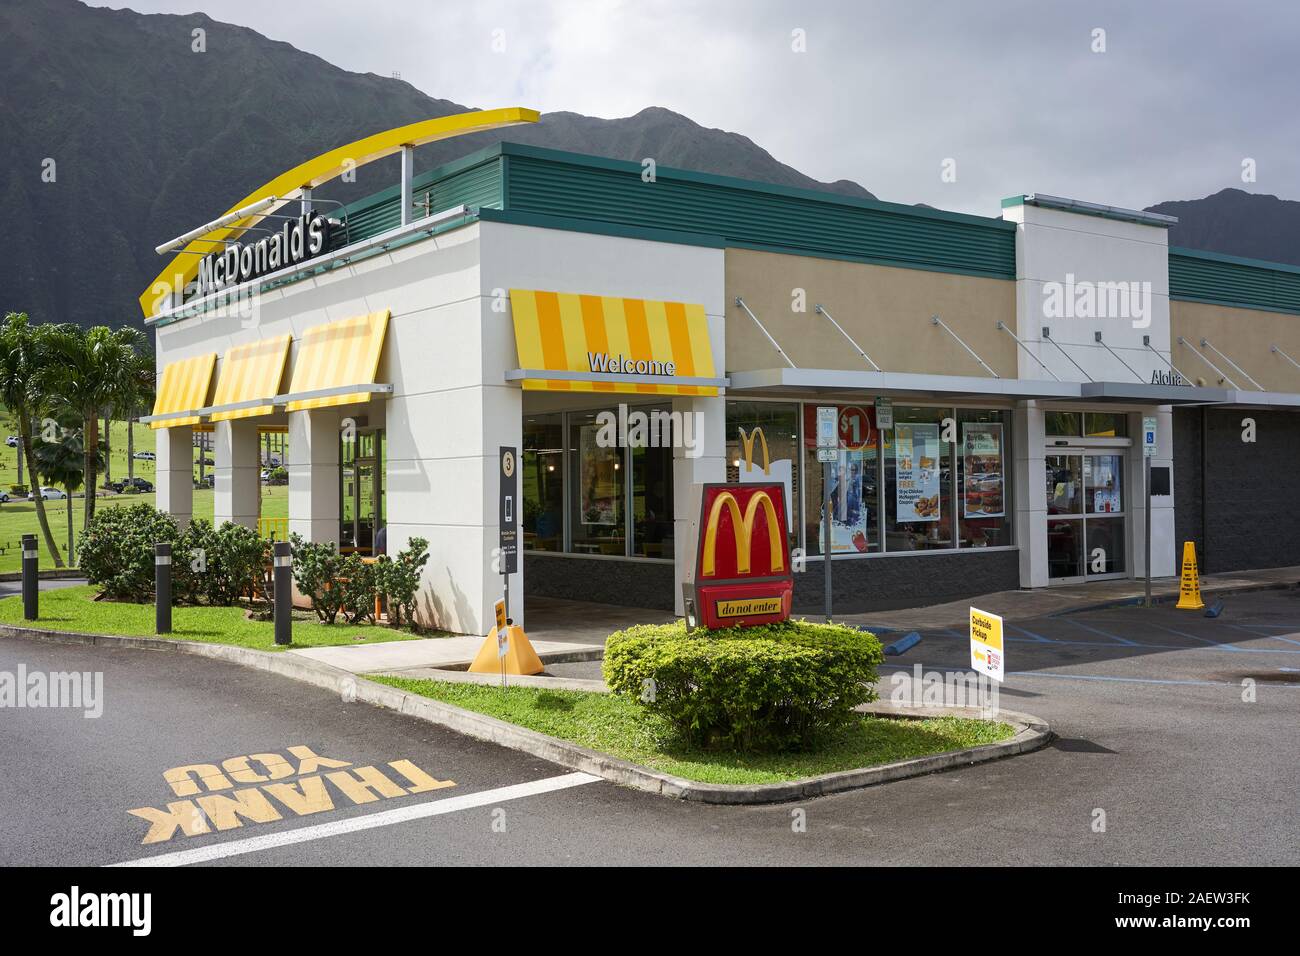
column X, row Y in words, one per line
column 356, row 584
column 316, row 570
column 116, row 549
column 279, row 475
column 18, row 490
column 236, row 562
column 189, row 574
column 399, row 580
column 772, row 687
column 130, row 490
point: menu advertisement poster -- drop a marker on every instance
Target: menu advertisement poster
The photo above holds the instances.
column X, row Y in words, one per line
column 852, row 484
column 916, row 455
column 982, row 470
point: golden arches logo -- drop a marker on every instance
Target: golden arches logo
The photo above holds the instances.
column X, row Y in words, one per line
column 742, row 529
column 747, row 443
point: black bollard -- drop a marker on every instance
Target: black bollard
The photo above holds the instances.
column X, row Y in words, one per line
column 162, row 585
column 283, row 570
column 31, row 578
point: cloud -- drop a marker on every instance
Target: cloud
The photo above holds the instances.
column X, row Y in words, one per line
column 1012, row 90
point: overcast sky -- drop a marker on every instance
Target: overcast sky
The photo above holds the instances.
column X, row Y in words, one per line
column 1013, row 91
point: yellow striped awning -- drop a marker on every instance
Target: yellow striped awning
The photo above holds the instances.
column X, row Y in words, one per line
column 183, row 388
column 338, row 354
column 610, row 344
column 249, row 372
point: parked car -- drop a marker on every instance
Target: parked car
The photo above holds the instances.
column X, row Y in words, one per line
column 4, row 497
column 206, row 461
column 49, row 494
column 266, row 475
column 138, row 483
column 12, row 441
column 145, row 456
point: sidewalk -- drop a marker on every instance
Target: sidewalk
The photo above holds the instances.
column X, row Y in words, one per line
column 1020, row 605
column 564, row 631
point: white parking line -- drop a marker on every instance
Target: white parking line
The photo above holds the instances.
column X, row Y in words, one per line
column 418, row 811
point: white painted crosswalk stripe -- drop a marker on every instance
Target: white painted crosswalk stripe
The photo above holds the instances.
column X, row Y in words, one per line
column 418, row 811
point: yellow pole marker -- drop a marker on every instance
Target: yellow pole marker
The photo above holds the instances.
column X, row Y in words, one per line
column 1189, row 588
column 288, row 187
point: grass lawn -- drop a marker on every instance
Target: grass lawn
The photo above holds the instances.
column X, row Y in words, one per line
column 72, row 609
column 620, row 728
column 18, row 517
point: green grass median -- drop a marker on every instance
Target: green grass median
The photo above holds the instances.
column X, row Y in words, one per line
column 618, row 727
column 74, row 609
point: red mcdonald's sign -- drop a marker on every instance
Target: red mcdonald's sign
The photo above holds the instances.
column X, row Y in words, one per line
column 742, row 564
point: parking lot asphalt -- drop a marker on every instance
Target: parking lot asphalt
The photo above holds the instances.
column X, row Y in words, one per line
column 1176, row 744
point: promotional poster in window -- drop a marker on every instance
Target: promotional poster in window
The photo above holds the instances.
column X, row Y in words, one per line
column 982, row 467
column 853, row 477
column 916, row 453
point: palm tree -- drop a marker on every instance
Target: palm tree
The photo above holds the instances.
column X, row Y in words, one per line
column 21, row 349
column 62, row 462
column 144, row 379
column 86, row 372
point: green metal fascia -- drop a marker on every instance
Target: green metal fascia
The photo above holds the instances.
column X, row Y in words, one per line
column 1233, row 281
column 754, row 216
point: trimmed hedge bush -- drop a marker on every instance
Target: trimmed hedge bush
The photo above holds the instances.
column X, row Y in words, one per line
column 116, row 549
column 772, row 687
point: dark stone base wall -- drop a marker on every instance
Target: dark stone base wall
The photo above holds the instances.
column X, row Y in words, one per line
column 886, row 584
column 629, row 583
column 862, row 584
column 1244, row 512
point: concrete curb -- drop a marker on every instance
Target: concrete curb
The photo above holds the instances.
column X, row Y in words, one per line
column 1170, row 597
column 1031, row 732
column 49, row 574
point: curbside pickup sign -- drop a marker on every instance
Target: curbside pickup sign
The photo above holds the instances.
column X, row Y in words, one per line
column 986, row 654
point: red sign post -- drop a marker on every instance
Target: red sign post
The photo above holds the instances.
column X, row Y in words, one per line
column 742, row 562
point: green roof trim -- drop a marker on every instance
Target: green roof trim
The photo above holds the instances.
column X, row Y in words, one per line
column 563, row 190
column 1217, row 279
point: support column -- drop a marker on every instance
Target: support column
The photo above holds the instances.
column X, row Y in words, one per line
column 1029, row 493
column 174, row 480
column 237, row 487
column 704, row 423
column 313, row 464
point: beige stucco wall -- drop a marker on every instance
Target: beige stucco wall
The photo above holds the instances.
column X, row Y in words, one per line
column 1244, row 335
column 886, row 310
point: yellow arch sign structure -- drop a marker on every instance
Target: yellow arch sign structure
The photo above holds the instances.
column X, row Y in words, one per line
column 288, row 186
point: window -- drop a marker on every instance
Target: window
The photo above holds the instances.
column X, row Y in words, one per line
column 652, row 497
column 1065, row 424
column 543, row 483
column 772, row 453
column 918, row 481
column 854, row 490
column 983, row 475
column 598, row 497
column 1105, row 425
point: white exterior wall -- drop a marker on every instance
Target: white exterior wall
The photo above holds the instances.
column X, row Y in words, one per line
column 1063, row 248
column 524, row 257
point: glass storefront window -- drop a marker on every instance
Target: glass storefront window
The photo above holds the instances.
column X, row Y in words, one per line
column 771, row 428
column 855, row 488
column 543, row 483
column 652, row 499
column 1103, row 479
column 1064, row 484
column 1104, row 425
column 984, row 478
column 598, row 498
column 1065, row 424
column 918, row 481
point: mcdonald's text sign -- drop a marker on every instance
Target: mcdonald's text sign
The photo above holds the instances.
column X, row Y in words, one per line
column 742, row 562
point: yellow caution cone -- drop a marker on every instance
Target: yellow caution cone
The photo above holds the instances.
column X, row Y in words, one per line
column 1189, row 588
column 520, row 657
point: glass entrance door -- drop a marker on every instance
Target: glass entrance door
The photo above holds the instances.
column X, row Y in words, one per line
column 1085, row 515
column 361, row 492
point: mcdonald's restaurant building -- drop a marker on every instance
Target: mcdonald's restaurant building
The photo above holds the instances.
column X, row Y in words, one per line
column 994, row 380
